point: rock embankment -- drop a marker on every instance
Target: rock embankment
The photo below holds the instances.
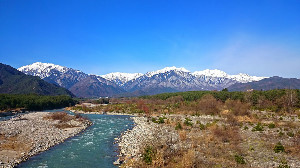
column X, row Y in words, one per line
column 29, row 134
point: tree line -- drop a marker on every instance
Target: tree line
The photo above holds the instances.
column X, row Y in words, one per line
column 34, row 102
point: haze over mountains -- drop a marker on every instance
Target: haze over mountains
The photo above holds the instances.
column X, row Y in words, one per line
column 169, row 79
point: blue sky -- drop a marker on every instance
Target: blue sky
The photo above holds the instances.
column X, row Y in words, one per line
column 251, row 36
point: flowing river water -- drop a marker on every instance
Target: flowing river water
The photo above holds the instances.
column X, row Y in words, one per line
column 92, row 148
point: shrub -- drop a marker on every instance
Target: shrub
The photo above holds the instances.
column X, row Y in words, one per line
column 271, row 125
column 202, row 126
column 229, row 134
column 237, row 107
column 232, row 120
column 161, row 120
column 178, row 126
column 278, row 148
column 148, row 155
column 258, row 127
column 239, row 159
column 188, row 122
column 280, row 133
column 209, row 105
column 61, row 116
column 290, row 134
column 284, row 164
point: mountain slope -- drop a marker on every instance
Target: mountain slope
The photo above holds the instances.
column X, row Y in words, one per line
column 92, row 87
column 62, row 76
column 13, row 81
column 267, row 84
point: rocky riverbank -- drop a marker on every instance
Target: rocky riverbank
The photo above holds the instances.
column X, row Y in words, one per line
column 26, row 135
column 145, row 133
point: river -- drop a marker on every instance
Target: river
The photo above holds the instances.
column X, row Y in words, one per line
column 92, row 148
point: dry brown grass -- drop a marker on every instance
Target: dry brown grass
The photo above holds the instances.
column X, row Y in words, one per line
column 226, row 134
column 61, row 116
column 237, row 107
column 13, row 143
column 182, row 135
column 63, row 119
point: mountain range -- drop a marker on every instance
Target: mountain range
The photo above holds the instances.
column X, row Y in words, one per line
column 169, row 79
column 274, row 82
column 13, row 81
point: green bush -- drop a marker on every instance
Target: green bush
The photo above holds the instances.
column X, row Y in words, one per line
column 258, row 127
column 202, row 126
column 188, row 122
column 284, row 164
column 271, row 125
column 280, row 134
column 161, row 120
column 178, row 126
column 290, row 134
column 239, row 159
column 278, row 148
column 148, row 155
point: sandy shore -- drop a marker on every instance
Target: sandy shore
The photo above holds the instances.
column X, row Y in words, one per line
column 30, row 134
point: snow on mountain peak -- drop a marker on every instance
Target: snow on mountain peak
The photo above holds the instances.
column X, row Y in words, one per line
column 42, row 66
column 244, row 78
column 42, row 70
column 212, row 73
column 166, row 69
column 241, row 77
column 123, row 77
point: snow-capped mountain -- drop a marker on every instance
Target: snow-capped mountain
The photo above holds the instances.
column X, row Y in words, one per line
column 72, row 79
column 180, row 79
column 212, row 73
column 245, row 78
column 121, row 78
column 62, row 76
column 172, row 79
column 169, row 79
column 42, row 70
column 165, row 70
column 241, row 77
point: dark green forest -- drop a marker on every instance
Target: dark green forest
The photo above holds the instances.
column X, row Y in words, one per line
column 34, row 102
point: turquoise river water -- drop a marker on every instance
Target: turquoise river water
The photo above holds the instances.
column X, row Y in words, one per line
column 92, row 148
